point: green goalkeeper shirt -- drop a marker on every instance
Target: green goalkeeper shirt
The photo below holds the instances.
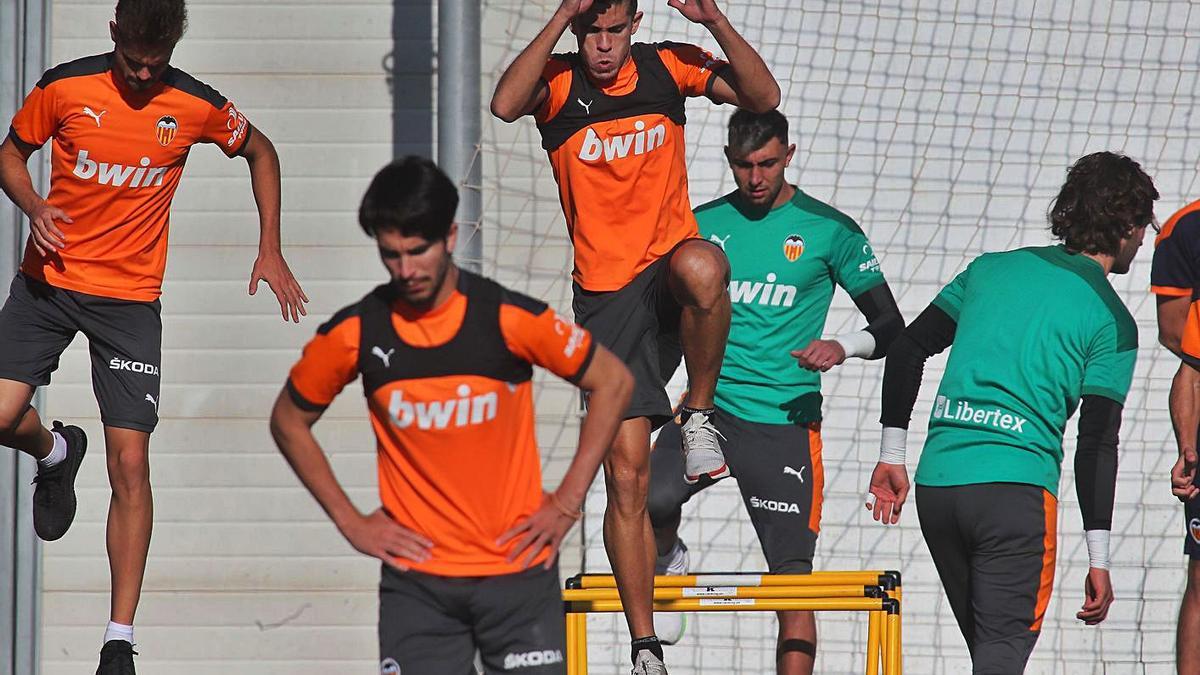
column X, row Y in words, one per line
column 1038, row 328
column 784, row 266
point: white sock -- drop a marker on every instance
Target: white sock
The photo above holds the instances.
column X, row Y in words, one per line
column 58, row 452
column 118, row 631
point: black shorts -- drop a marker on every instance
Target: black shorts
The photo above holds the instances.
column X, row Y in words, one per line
column 640, row 324
column 779, row 472
column 39, row 321
column 994, row 547
column 431, row 624
column 1191, row 514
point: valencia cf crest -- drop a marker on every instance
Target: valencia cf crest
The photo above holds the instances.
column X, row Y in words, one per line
column 793, row 247
column 165, row 130
column 1194, row 529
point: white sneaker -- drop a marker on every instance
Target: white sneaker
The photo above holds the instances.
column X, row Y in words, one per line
column 670, row 626
column 648, row 664
column 702, row 454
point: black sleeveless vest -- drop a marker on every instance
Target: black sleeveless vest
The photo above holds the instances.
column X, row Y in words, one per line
column 478, row 348
column 656, row 92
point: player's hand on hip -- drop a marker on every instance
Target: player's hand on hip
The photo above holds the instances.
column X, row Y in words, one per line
column 887, row 492
column 273, row 269
column 1183, row 476
column 378, row 536
column 820, row 355
column 697, row 11
column 1097, row 597
column 47, row 237
column 544, row 529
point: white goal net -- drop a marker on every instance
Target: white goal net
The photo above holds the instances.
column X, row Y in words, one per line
column 944, row 128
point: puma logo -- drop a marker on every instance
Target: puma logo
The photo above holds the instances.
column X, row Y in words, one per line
column 719, row 241
column 93, row 114
column 152, row 402
column 789, row 471
column 386, row 358
column 587, row 107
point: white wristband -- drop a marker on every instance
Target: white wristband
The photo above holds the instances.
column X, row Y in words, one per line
column 860, row 344
column 892, row 445
column 1097, row 545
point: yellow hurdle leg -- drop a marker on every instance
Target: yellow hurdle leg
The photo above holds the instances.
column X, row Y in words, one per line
column 581, row 643
column 874, row 626
column 892, row 657
column 572, row 650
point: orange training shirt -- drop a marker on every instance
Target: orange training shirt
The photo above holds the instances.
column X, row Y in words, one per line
column 458, row 456
column 116, row 161
column 619, row 159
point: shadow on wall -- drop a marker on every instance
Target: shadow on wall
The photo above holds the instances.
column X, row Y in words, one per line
column 408, row 71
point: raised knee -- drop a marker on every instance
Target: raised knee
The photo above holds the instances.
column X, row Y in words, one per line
column 702, row 270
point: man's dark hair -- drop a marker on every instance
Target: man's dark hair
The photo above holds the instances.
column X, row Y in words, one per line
column 601, row 6
column 151, row 23
column 411, row 196
column 1106, row 196
column 749, row 131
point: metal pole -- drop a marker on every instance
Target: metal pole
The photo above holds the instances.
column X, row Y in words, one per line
column 458, row 120
column 24, row 46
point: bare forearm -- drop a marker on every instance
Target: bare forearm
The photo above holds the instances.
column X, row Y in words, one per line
column 265, row 181
column 304, row 455
column 16, row 181
column 519, row 83
column 606, row 408
column 1185, row 397
column 755, row 85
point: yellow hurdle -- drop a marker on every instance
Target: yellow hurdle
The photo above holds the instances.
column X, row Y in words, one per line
column 875, row 592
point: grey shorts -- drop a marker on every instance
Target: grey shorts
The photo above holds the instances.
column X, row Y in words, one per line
column 994, row 547
column 39, row 321
column 779, row 472
column 431, row 624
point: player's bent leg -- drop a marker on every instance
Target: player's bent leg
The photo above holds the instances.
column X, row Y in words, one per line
column 668, row 493
column 20, row 426
column 421, row 629
column 520, row 625
column 130, row 517
column 796, row 650
column 628, row 539
column 697, row 278
column 1187, row 635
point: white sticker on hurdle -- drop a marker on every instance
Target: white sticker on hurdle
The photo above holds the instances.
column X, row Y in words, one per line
column 729, row 580
column 745, row 602
column 709, row 592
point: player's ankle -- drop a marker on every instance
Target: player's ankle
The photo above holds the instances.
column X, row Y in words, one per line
column 650, row 643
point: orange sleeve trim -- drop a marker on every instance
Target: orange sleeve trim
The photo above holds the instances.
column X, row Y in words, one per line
column 1169, row 226
column 1170, row 291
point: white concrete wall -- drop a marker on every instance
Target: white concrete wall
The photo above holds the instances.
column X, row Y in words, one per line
column 945, row 128
column 246, row 574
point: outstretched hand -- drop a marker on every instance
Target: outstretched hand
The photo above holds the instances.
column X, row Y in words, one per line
column 887, row 492
column 820, row 355
column 273, row 269
column 697, row 11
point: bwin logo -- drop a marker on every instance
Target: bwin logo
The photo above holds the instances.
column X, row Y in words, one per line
column 532, row 659
column 772, row 505
column 466, row 410
column 619, row 147
column 769, row 294
column 117, row 175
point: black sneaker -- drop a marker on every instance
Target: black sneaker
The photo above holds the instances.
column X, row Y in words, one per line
column 54, row 496
column 116, row 658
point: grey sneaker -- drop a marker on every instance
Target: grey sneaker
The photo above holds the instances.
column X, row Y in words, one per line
column 648, row 664
column 670, row 626
column 702, row 449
